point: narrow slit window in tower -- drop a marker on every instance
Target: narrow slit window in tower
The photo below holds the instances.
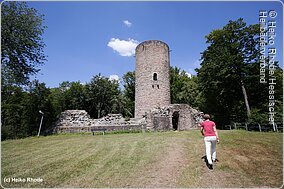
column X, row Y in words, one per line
column 158, row 86
column 155, row 76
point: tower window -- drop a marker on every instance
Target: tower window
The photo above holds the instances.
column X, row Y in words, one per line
column 155, row 76
column 158, row 86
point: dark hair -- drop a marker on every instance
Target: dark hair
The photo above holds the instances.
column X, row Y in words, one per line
column 206, row 116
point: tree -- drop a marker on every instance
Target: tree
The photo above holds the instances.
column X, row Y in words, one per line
column 11, row 112
column 129, row 93
column 69, row 96
column 102, row 96
column 75, row 96
column 183, row 88
column 21, row 42
column 37, row 98
column 229, row 73
column 176, row 83
column 20, row 115
column 22, row 52
column 233, row 48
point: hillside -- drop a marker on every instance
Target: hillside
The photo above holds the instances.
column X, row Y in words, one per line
column 162, row 159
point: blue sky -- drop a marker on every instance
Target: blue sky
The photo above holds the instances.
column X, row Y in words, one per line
column 84, row 39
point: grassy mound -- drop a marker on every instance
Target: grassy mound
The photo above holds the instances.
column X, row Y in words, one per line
column 247, row 159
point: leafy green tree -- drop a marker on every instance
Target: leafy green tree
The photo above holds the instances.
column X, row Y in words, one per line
column 231, row 49
column 223, row 68
column 75, row 96
column 190, row 93
column 184, row 90
column 176, row 83
column 21, row 42
column 69, row 96
column 37, row 100
column 102, row 96
column 21, row 54
column 229, row 74
column 11, row 112
column 258, row 94
column 129, row 93
column 57, row 100
column 20, row 114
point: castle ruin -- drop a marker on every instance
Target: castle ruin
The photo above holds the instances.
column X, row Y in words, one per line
column 153, row 108
column 152, row 76
column 152, row 90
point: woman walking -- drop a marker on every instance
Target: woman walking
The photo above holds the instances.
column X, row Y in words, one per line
column 209, row 131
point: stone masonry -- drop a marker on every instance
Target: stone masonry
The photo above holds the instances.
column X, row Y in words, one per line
column 173, row 117
column 153, row 110
column 152, row 83
column 73, row 121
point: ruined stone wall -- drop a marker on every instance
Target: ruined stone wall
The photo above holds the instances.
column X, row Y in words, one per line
column 189, row 118
column 152, row 83
column 161, row 118
column 77, row 129
column 74, row 121
column 74, row 118
column 156, row 119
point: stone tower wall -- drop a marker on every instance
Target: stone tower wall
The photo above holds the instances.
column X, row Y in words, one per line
column 152, row 57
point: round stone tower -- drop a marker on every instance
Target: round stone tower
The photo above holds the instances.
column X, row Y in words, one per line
column 152, row 83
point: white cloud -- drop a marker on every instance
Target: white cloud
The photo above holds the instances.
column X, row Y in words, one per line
column 127, row 23
column 124, row 48
column 188, row 74
column 113, row 78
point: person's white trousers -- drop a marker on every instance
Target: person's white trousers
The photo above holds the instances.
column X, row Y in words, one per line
column 210, row 146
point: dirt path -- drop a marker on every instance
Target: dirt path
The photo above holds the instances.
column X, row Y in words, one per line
column 215, row 178
column 172, row 164
column 165, row 173
column 180, row 162
column 220, row 177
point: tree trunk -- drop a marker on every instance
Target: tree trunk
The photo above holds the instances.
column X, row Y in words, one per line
column 99, row 110
column 246, row 98
column 99, row 113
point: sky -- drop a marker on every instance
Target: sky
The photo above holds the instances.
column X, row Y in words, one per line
column 84, row 39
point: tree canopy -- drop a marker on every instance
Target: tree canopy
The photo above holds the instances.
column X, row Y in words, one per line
column 184, row 89
column 229, row 73
column 129, row 93
column 21, row 42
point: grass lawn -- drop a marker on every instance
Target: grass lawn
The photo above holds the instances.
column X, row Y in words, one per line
column 161, row 159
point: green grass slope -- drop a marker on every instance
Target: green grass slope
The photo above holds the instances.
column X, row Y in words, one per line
column 162, row 159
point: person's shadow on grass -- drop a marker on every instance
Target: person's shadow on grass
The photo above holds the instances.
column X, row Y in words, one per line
column 206, row 162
